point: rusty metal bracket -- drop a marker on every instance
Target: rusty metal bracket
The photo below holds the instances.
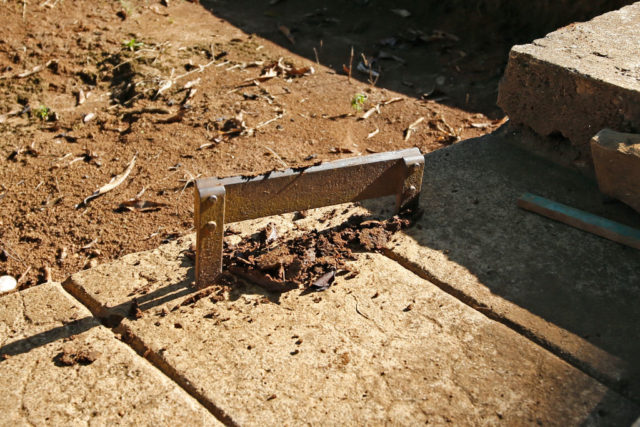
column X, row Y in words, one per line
column 219, row 201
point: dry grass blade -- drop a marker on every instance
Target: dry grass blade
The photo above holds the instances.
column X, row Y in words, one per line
column 115, row 181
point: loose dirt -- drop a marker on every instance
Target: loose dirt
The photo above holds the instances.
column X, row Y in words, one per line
column 313, row 260
column 142, row 98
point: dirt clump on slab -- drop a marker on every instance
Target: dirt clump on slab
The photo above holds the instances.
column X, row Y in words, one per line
column 74, row 353
column 312, row 260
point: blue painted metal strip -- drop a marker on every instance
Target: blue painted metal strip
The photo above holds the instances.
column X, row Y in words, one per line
column 581, row 219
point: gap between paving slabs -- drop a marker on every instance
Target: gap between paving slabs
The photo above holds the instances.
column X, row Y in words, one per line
column 357, row 350
column 569, row 291
column 60, row 366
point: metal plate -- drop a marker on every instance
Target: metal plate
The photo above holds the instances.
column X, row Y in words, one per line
column 224, row 200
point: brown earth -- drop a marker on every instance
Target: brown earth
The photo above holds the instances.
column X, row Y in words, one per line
column 87, row 87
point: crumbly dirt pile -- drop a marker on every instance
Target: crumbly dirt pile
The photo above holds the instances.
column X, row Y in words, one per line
column 310, row 261
column 109, row 110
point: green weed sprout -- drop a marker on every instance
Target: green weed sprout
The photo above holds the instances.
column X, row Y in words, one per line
column 358, row 100
column 132, row 44
column 42, row 112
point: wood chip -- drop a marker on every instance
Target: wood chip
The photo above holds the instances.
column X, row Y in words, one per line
column 374, row 133
column 115, row 181
column 81, row 97
column 324, row 282
column 480, row 125
column 370, row 112
column 412, row 128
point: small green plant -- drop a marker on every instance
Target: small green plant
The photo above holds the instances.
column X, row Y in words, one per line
column 358, row 100
column 132, row 44
column 42, row 112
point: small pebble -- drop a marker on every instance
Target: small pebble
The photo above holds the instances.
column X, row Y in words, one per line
column 7, row 283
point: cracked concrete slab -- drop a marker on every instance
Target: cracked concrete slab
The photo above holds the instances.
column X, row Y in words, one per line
column 574, row 293
column 384, row 347
column 577, row 80
column 60, row 366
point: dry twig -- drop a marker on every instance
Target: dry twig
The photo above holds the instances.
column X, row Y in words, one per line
column 412, row 128
column 115, row 181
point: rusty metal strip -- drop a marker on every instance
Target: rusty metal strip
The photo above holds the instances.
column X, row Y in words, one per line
column 223, row 200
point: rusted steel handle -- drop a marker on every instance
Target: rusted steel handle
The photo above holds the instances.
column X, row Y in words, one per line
column 223, row 200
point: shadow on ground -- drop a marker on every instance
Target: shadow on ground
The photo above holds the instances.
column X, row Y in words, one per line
column 580, row 282
column 454, row 51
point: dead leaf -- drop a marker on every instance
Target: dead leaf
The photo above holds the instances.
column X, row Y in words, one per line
column 323, row 282
column 299, row 71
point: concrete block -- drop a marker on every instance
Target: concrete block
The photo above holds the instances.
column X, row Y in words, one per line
column 579, row 79
column 60, row 366
column 386, row 347
column 568, row 290
column 616, row 158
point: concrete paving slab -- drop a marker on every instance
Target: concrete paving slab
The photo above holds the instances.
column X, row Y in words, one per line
column 60, row 366
column 384, row 347
column 579, row 79
column 574, row 293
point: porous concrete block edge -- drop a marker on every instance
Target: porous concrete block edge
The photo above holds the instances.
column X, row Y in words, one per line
column 79, row 309
column 577, row 80
column 595, row 362
column 167, row 369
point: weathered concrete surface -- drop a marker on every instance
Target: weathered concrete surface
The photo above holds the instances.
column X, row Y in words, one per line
column 573, row 292
column 579, row 79
column 616, row 158
column 384, row 347
column 111, row 385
